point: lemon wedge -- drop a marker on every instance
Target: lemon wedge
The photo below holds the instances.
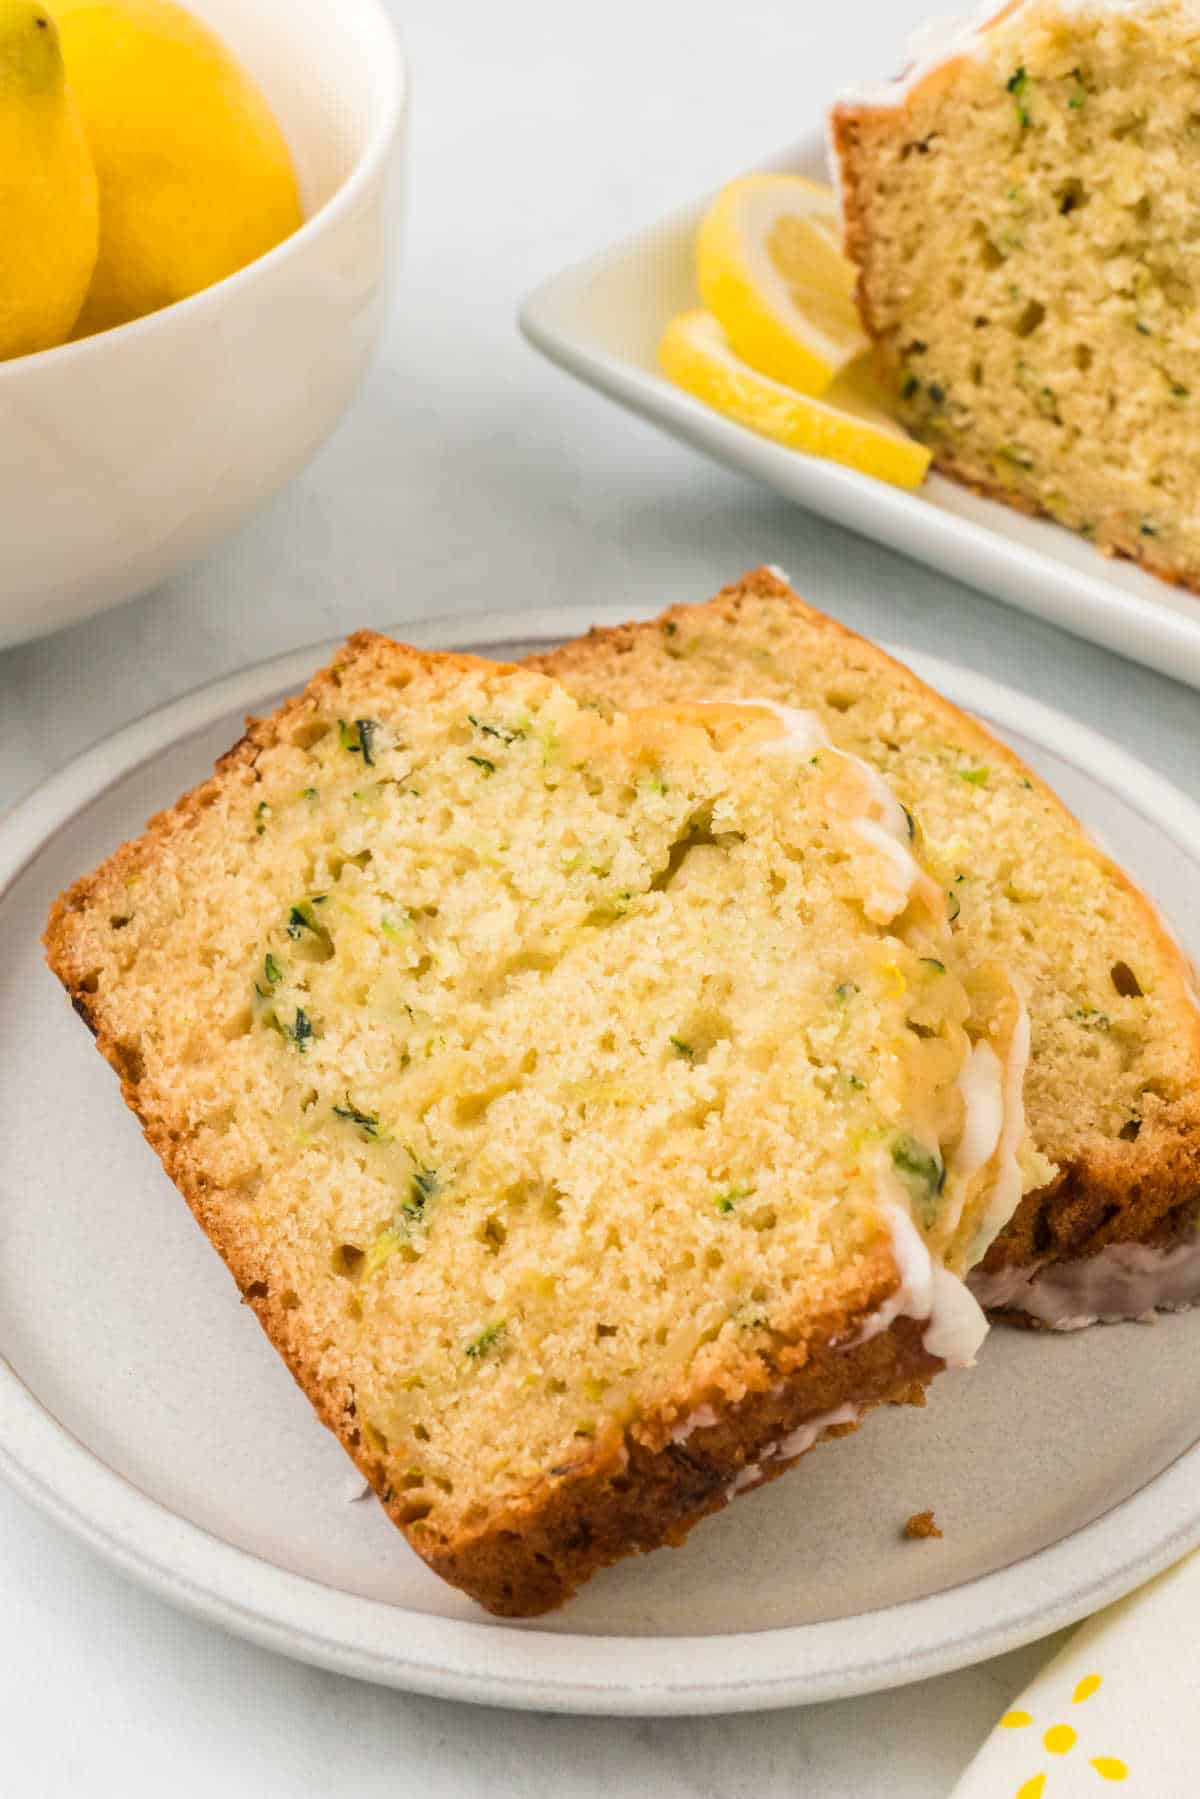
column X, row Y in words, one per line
column 770, row 268
column 846, row 425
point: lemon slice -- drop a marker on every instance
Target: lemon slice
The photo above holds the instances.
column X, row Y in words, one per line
column 845, row 426
column 770, row 267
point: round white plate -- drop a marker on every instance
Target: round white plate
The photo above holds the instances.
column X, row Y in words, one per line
column 141, row 1406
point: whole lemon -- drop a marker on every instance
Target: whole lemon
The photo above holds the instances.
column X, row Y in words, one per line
column 48, row 208
column 196, row 178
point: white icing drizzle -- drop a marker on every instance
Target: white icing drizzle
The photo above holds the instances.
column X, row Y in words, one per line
column 803, row 731
column 780, row 574
column 981, row 1084
column 700, row 1419
column 954, row 1329
column 1124, row 1281
column 887, row 830
column 956, row 1326
column 1009, row 1181
column 882, row 904
column 946, row 36
column 748, row 1476
column 806, row 1434
column 884, row 828
column 931, row 44
column 796, row 1443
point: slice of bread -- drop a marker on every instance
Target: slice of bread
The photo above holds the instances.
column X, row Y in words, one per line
column 1113, row 1092
column 1019, row 208
column 584, row 1104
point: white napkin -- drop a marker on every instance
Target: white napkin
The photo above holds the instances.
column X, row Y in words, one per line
column 1116, row 1711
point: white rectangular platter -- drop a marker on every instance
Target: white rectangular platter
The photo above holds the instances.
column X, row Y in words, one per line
column 602, row 321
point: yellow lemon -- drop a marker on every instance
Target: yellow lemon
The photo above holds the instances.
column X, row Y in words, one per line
column 196, row 178
column 770, row 268
column 48, row 208
column 845, row 425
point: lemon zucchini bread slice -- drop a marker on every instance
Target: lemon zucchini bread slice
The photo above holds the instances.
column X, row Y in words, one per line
column 1021, row 211
column 589, row 1106
column 1113, row 1089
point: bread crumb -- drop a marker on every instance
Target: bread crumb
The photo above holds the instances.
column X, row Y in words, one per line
column 921, row 1524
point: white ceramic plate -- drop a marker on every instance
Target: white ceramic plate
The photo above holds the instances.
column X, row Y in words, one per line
column 602, row 322
column 141, row 1406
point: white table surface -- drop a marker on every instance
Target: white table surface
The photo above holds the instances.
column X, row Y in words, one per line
column 471, row 476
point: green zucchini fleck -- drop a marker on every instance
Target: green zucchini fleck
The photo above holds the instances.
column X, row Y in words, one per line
column 368, row 1122
column 301, row 1030
column 421, row 1188
column 1091, row 1019
column 359, row 738
column 487, row 1339
column 1018, row 86
column 923, row 1173
column 497, row 731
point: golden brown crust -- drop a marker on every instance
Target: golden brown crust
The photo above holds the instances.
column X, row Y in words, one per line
column 633, row 1492
column 1112, row 1190
column 1124, row 549
column 640, row 1493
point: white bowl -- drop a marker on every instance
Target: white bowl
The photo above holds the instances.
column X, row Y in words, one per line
column 125, row 456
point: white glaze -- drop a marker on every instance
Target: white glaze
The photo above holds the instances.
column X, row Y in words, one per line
column 796, row 1443
column 882, row 904
column 931, row 44
column 803, row 732
column 700, row 1419
column 956, row 1326
column 981, row 1083
column 884, row 826
column 806, row 1434
column 1009, row 1181
column 949, row 35
column 1126, row 1280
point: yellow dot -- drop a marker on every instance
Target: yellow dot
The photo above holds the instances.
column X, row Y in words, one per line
column 1015, row 1720
column 1059, row 1738
column 1033, row 1789
column 1109, row 1768
column 1087, row 1686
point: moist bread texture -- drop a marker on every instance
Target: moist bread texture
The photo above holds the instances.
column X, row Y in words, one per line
column 581, row 1101
column 1023, row 221
column 1113, row 1088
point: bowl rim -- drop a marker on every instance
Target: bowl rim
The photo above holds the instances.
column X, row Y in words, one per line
column 393, row 62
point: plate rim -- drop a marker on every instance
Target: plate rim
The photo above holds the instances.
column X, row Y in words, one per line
column 513, row 1665
column 966, row 549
